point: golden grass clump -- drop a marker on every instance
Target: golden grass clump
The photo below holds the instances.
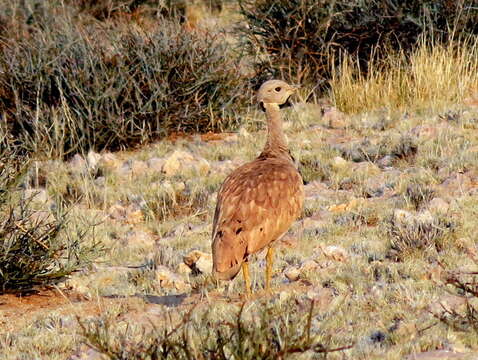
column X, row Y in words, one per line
column 432, row 76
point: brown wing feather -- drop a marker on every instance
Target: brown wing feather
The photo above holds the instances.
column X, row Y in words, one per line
column 256, row 205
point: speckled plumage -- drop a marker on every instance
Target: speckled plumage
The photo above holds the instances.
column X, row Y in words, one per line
column 257, row 202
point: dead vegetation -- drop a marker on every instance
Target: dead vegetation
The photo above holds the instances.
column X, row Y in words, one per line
column 257, row 332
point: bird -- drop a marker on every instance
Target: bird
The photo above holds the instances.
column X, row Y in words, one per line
column 258, row 202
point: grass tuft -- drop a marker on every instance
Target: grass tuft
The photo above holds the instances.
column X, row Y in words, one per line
column 433, row 75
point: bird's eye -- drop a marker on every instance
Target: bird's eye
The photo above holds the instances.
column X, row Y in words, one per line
column 278, row 89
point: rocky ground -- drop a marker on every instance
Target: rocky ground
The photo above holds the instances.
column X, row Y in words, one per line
column 389, row 217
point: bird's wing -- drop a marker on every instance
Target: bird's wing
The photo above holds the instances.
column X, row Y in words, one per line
column 256, row 204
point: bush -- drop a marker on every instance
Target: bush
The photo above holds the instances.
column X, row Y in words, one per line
column 465, row 285
column 264, row 333
column 423, row 231
column 300, row 36
column 418, row 195
column 70, row 86
column 403, row 147
column 36, row 248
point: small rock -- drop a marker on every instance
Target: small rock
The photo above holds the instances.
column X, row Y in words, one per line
column 87, row 353
column 244, row 133
column 156, row 164
column 92, row 159
column 438, row 205
column 130, row 214
column 334, row 118
column 138, row 167
column 204, row 264
column 386, row 161
column 184, row 269
column 202, row 166
column 308, row 265
column 199, row 261
column 352, row 205
column 109, row 160
column 322, row 297
column 336, row 253
column 176, row 162
column 139, row 239
column 292, row 273
column 37, row 195
column 78, row 163
column 169, row 280
column 339, row 162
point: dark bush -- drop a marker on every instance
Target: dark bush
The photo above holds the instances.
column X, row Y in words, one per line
column 265, row 332
column 69, row 87
column 418, row 195
column 420, row 232
column 300, row 36
column 36, row 247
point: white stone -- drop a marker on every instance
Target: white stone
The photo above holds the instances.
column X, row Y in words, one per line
column 438, row 205
column 336, row 253
column 200, row 260
column 339, row 162
column 292, row 273
column 92, row 159
column 184, row 269
column 156, row 164
column 37, row 195
column 77, row 163
column 169, row 280
column 202, row 166
column 176, row 162
column 244, row 133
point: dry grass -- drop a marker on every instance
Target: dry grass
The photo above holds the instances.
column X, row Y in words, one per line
column 433, row 75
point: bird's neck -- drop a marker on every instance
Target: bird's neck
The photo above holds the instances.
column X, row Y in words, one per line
column 276, row 144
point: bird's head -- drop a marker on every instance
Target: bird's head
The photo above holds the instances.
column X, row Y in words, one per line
column 275, row 92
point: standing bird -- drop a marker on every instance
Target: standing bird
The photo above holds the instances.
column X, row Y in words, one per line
column 258, row 201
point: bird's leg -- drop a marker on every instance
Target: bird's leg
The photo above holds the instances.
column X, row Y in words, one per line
column 247, row 279
column 269, row 263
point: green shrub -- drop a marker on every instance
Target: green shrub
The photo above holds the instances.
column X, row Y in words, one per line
column 301, row 36
column 70, row 86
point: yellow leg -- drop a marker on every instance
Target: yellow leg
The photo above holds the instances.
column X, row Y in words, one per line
column 247, row 279
column 269, row 263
